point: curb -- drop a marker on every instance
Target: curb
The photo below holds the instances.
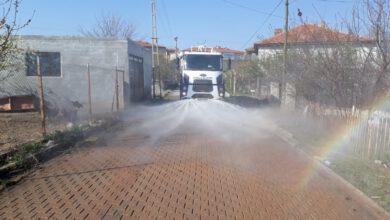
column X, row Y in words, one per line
column 289, row 138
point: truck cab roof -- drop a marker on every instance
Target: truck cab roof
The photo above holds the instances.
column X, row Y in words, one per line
column 202, row 53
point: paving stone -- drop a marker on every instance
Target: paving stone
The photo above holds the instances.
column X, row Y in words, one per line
column 184, row 176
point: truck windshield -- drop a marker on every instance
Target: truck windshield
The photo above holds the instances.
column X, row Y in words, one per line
column 203, row 62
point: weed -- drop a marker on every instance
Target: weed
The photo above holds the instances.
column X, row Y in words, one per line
column 68, row 138
column 4, row 182
column 25, row 150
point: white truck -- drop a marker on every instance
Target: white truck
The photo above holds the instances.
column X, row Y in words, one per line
column 201, row 73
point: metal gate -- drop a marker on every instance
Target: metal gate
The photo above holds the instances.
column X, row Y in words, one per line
column 136, row 71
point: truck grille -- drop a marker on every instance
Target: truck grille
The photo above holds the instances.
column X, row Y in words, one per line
column 203, row 85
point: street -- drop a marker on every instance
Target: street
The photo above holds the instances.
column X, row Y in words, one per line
column 188, row 159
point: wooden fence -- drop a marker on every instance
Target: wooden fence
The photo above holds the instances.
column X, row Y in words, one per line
column 366, row 133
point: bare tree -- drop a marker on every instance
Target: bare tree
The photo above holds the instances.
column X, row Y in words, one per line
column 379, row 23
column 9, row 26
column 247, row 73
column 110, row 26
column 167, row 69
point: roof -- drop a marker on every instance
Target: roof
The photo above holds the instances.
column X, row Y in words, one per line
column 223, row 50
column 228, row 50
column 311, row 33
column 147, row 44
column 171, row 50
column 250, row 50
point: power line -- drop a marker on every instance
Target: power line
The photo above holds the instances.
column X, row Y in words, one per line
column 162, row 20
column 262, row 24
column 337, row 1
column 166, row 15
column 251, row 9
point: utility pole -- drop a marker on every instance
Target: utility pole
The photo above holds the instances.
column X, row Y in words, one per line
column 41, row 98
column 282, row 85
column 176, row 59
column 116, row 89
column 176, row 49
column 155, row 56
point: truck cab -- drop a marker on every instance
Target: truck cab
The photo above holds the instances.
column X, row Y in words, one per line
column 201, row 75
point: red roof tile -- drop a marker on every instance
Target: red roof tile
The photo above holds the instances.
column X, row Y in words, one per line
column 311, row 33
column 228, row 50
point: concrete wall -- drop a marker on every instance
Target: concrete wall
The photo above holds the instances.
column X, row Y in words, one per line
column 102, row 55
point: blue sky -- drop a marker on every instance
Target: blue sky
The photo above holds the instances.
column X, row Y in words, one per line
column 228, row 23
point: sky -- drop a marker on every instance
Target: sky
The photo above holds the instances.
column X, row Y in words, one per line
column 236, row 24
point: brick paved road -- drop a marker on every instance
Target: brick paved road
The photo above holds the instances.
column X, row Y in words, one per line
column 189, row 175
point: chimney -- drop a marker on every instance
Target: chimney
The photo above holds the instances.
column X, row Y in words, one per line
column 278, row 31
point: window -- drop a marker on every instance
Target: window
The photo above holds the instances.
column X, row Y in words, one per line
column 204, row 62
column 50, row 63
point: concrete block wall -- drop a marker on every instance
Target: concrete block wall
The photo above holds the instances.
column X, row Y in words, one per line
column 102, row 55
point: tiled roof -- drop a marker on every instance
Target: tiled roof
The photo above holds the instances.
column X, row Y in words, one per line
column 228, row 50
column 312, row 33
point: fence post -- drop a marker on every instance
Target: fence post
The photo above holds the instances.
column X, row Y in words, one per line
column 369, row 137
column 116, row 89
column 234, row 82
column 366, row 135
column 41, row 98
column 89, row 93
column 387, row 142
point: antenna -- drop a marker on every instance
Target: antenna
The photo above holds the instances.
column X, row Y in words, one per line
column 155, row 56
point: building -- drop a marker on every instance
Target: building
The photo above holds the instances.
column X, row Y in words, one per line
column 168, row 53
column 306, row 35
column 65, row 62
column 311, row 37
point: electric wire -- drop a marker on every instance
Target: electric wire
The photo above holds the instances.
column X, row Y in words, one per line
column 165, row 13
column 262, row 24
column 251, row 9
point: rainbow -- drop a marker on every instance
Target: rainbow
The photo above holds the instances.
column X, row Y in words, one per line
column 339, row 140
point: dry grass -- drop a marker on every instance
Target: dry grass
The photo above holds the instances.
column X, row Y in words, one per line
column 370, row 178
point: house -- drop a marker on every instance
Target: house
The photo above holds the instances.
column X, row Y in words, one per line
column 65, row 61
column 168, row 53
column 306, row 35
column 171, row 54
column 311, row 37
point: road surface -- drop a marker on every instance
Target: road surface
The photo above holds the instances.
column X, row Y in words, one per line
column 186, row 173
